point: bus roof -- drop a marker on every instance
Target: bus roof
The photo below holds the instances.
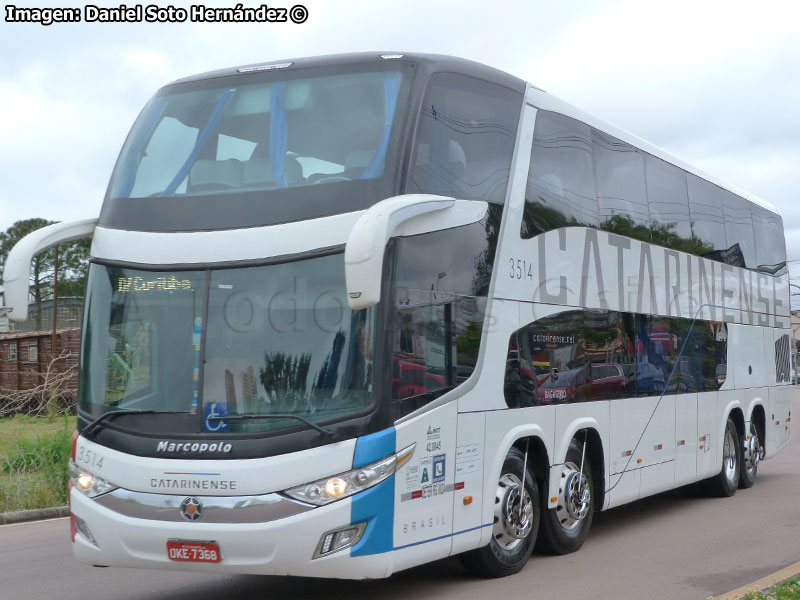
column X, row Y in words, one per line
column 430, row 63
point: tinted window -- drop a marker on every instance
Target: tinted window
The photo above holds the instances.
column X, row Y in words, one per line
column 657, row 347
column 608, row 340
column 521, row 376
column 556, row 347
column 705, row 364
column 561, row 190
column 708, row 223
column 260, row 136
column 440, row 301
column 262, row 149
column 601, row 355
column 668, row 203
column 768, row 237
column 621, row 194
column 465, row 139
column 738, row 230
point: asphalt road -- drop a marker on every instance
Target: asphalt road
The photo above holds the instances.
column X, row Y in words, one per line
column 666, row 546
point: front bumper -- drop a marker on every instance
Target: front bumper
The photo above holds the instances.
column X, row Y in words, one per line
column 279, row 547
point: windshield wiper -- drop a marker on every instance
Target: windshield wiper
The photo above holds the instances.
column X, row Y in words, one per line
column 322, row 430
column 126, row 411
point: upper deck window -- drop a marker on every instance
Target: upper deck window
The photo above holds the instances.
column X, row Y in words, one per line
column 561, row 189
column 465, row 139
column 244, row 150
column 262, row 136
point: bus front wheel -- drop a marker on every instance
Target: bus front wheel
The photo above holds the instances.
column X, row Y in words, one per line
column 515, row 524
column 565, row 527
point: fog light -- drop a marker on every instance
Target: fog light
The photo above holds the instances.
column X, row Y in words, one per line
column 339, row 539
column 83, row 529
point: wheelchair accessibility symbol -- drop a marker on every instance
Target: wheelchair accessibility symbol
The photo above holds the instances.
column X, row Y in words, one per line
column 213, row 414
column 438, row 468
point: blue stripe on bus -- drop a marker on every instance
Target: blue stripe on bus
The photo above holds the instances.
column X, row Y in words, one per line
column 374, row 506
column 441, row 537
column 373, row 447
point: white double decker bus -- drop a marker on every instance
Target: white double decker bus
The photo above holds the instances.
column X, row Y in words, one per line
column 348, row 315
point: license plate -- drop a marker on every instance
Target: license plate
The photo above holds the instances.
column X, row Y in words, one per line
column 180, row 550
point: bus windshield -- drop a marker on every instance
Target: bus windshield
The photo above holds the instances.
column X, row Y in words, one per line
column 261, row 149
column 277, row 340
column 260, row 136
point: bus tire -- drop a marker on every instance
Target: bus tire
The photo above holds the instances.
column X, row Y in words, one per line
column 564, row 528
column 751, row 456
column 515, row 525
column 724, row 483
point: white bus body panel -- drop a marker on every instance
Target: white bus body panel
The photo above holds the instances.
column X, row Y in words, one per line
column 707, row 464
column 470, row 456
column 685, row 439
column 578, row 267
column 235, row 245
column 423, row 492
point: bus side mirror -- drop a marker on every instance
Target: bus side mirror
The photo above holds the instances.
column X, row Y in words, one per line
column 16, row 275
column 363, row 254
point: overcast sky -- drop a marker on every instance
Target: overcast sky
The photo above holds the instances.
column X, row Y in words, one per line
column 712, row 82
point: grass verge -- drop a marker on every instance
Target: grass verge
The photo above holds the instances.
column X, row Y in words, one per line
column 34, row 455
column 788, row 590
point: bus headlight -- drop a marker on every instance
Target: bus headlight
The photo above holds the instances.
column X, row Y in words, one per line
column 343, row 485
column 87, row 482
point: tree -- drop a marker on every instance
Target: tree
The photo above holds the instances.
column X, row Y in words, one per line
column 284, row 379
column 73, row 263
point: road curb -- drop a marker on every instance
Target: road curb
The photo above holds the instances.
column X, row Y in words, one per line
column 762, row 584
column 21, row 516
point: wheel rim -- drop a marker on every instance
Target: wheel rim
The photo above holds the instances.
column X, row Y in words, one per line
column 752, row 452
column 513, row 512
column 729, row 458
column 574, row 497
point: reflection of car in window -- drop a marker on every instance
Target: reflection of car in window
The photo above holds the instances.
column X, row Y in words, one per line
column 565, row 386
column 608, row 380
column 412, row 379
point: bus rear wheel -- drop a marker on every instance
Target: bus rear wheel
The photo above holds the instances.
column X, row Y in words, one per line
column 724, row 483
column 564, row 528
column 516, row 522
column 752, row 452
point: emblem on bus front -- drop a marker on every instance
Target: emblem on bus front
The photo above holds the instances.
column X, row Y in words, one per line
column 191, row 508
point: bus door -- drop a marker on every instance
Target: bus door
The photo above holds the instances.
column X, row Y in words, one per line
column 423, row 365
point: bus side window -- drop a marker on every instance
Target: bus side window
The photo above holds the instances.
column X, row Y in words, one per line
column 738, row 230
column 708, row 223
column 561, row 188
column 621, row 193
column 519, row 383
column 439, row 311
column 552, row 359
column 607, row 344
column 668, row 203
column 769, row 240
column 465, row 139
